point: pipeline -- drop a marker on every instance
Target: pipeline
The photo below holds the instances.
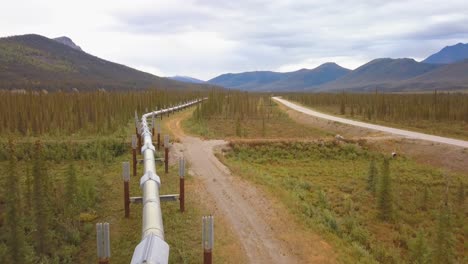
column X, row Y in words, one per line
column 152, row 248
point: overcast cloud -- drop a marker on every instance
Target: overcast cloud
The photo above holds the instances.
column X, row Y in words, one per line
column 206, row 38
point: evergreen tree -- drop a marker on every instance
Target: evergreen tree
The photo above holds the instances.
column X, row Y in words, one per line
column 444, row 251
column 342, row 107
column 419, row 252
column 28, row 194
column 13, row 218
column 385, row 193
column 461, row 195
column 71, row 191
column 372, row 176
column 41, row 206
column 425, row 199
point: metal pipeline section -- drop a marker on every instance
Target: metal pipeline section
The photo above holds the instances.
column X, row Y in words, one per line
column 152, row 248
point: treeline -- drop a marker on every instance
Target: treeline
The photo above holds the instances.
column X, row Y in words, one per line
column 234, row 105
column 392, row 107
column 46, row 213
column 34, row 113
column 242, row 109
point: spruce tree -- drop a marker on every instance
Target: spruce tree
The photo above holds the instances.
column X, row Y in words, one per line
column 372, row 176
column 71, row 191
column 41, row 206
column 13, row 215
column 28, row 194
column 425, row 199
column 461, row 196
column 385, row 193
column 444, row 251
column 419, row 252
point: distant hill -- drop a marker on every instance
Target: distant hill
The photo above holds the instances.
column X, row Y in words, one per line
column 186, row 79
column 276, row 81
column 381, row 74
column 449, row 54
column 37, row 62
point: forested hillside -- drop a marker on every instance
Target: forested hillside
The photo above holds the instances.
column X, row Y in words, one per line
column 37, row 62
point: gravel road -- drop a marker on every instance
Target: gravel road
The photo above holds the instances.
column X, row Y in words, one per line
column 395, row 131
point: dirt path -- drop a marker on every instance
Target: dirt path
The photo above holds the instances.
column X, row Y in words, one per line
column 265, row 231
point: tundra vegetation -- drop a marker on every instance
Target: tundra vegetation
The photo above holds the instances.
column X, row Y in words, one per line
column 371, row 207
column 407, row 213
column 439, row 113
column 61, row 160
column 60, row 173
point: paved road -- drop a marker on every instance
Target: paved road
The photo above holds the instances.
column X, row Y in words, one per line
column 396, row 131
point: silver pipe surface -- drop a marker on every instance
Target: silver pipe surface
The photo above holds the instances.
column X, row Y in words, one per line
column 150, row 184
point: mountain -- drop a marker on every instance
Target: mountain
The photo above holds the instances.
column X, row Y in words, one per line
column 452, row 76
column 382, row 73
column 67, row 41
column 304, row 78
column 36, row 62
column 276, row 81
column 449, row 54
column 246, row 80
column 186, row 79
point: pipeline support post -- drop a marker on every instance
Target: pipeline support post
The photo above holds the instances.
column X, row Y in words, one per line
column 159, row 136
column 208, row 238
column 126, row 179
column 166, row 153
column 181, row 184
column 134, row 159
column 152, row 125
column 139, row 135
column 103, row 243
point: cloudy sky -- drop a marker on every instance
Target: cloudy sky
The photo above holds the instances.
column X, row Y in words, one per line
column 205, row 38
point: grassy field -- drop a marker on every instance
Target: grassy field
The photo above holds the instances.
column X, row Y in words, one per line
column 324, row 185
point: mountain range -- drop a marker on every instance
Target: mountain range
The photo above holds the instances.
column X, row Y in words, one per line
column 276, row 81
column 36, row 62
column 446, row 69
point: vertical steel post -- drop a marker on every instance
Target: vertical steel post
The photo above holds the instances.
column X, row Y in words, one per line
column 103, row 242
column 134, row 159
column 181, row 184
column 166, row 153
column 139, row 136
column 126, row 178
column 159, row 136
column 152, row 125
column 207, row 238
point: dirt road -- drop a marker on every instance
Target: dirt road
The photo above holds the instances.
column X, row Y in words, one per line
column 265, row 230
column 395, row 131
